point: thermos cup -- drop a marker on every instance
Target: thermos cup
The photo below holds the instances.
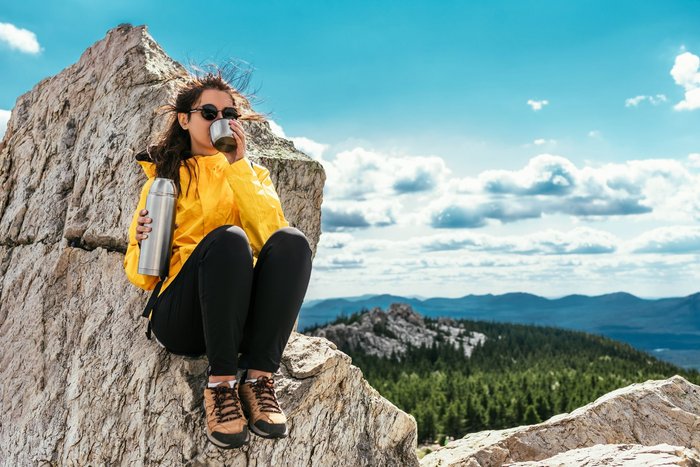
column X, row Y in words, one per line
column 222, row 136
column 154, row 257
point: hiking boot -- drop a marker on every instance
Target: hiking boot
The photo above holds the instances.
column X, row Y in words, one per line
column 265, row 417
column 226, row 424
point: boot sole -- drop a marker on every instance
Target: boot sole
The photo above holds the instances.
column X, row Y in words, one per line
column 220, row 444
column 261, row 433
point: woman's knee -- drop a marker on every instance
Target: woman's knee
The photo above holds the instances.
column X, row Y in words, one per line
column 230, row 238
column 292, row 238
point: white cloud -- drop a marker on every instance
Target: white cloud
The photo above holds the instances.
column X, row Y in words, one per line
column 685, row 73
column 19, row 39
column 654, row 100
column 360, row 174
column 537, row 105
column 544, row 174
column 543, row 141
column 694, row 160
column 306, row 145
column 366, row 188
column 676, row 239
column 657, row 189
column 581, row 240
column 310, row 147
column 335, row 240
column 4, row 118
column 595, row 134
column 341, row 261
column 276, row 129
column 550, row 263
column 339, row 215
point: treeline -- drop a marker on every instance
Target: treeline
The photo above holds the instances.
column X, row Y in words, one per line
column 521, row 375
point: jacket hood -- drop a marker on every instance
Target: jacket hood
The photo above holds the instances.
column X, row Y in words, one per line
column 146, row 164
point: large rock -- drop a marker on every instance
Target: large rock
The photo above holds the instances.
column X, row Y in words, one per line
column 619, row 455
column 384, row 334
column 81, row 384
column 654, row 420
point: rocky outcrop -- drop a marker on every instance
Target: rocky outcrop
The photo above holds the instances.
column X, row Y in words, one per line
column 619, row 455
column 646, row 423
column 81, row 383
column 382, row 334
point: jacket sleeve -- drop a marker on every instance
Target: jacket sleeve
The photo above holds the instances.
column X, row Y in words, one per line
column 131, row 259
column 257, row 201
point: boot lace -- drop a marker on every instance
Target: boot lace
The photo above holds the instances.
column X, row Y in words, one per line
column 227, row 406
column 264, row 390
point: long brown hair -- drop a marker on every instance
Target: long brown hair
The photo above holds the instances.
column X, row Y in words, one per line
column 173, row 147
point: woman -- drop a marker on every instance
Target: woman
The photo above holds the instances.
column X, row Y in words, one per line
column 238, row 272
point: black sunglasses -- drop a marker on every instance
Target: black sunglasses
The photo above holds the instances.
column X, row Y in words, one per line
column 209, row 112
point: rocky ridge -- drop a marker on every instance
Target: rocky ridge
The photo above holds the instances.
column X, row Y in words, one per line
column 382, row 334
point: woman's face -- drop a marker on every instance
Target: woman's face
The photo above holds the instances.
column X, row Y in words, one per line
column 198, row 126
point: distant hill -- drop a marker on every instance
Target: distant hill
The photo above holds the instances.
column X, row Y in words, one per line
column 458, row 376
column 669, row 328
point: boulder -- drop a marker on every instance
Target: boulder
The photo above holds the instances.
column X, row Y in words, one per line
column 644, row 424
column 81, row 383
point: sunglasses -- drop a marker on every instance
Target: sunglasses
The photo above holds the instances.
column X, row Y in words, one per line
column 209, row 112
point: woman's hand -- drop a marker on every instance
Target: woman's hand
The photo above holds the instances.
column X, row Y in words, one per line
column 239, row 136
column 141, row 227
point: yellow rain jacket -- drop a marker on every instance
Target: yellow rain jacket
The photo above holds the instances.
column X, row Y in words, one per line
column 240, row 194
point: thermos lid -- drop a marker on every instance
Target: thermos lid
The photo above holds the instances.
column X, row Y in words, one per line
column 163, row 187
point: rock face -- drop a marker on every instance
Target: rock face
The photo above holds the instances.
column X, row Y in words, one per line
column 650, row 423
column 378, row 333
column 81, row 383
column 628, row 455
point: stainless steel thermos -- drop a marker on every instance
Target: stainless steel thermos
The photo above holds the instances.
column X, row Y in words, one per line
column 154, row 257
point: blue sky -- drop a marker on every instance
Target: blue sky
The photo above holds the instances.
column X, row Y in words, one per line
column 470, row 147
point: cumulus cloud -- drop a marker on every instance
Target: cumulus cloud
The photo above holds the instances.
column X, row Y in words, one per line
column 537, row 105
column 363, row 187
column 654, row 100
column 341, row 261
column 19, row 39
column 694, row 160
column 4, row 118
column 676, row 239
column 544, row 175
column 685, row 73
column 581, row 240
column 580, row 260
column 342, row 215
column 335, row 240
column 543, row 141
column 308, row 146
column 452, row 212
column 360, row 174
column 366, row 188
column 662, row 189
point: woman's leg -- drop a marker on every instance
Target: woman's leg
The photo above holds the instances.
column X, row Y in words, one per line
column 205, row 307
column 281, row 278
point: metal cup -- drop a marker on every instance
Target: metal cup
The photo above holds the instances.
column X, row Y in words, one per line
column 222, row 136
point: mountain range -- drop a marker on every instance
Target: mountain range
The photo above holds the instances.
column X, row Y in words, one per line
column 668, row 328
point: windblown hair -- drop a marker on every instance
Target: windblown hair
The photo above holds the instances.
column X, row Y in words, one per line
column 172, row 148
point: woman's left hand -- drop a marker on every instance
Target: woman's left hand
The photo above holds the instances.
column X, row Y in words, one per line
column 239, row 136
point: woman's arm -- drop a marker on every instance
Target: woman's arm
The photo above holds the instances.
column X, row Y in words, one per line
column 131, row 259
column 257, row 201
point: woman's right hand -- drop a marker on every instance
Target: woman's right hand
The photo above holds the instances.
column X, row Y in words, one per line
column 141, row 229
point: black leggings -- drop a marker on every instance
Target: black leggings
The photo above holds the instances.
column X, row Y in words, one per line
column 220, row 305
